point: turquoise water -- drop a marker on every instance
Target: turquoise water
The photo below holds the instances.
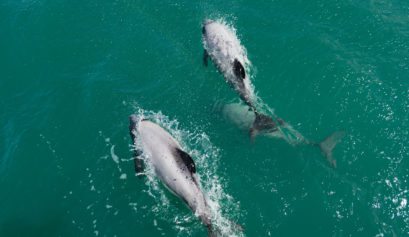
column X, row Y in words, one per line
column 72, row 72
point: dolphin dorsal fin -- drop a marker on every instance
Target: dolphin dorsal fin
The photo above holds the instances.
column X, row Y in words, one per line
column 238, row 69
column 187, row 160
column 264, row 123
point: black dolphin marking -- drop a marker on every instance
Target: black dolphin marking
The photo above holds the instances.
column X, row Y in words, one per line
column 238, row 69
column 139, row 166
column 187, row 160
column 205, row 57
column 138, row 162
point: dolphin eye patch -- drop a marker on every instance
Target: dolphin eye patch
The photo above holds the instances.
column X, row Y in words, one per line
column 238, row 69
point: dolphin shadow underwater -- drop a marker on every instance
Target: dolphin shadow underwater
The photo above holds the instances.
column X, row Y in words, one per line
column 223, row 47
column 174, row 167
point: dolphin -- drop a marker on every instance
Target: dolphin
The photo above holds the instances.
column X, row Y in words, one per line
column 239, row 115
column 223, row 47
column 173, row 166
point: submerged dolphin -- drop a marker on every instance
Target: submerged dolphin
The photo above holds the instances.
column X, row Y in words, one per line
column 174, row 167
column 240, row 115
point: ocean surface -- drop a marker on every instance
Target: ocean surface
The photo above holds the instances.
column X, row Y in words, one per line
column 71, row 72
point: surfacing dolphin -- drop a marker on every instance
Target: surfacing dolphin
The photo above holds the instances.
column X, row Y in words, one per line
column 225, row 50
column 223, row 47
column 173, row 166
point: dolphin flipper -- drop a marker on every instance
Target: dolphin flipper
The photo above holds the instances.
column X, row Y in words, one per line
column 205, row 57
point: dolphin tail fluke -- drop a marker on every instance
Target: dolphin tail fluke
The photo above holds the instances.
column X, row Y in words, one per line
column 328, row 145
column 139, row 167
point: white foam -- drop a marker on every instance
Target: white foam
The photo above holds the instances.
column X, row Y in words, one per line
column 403, row 203
column 114, row 157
